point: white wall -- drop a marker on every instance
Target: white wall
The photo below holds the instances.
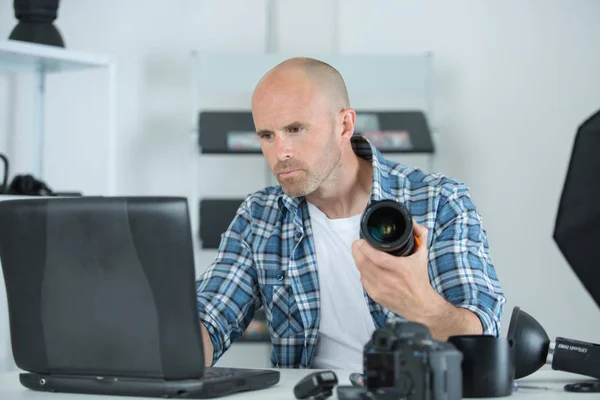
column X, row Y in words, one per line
column 513, row 80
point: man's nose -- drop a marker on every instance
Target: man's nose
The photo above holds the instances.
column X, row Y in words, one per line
column 283, row 148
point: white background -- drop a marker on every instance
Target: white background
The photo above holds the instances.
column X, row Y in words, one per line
column 513, row 79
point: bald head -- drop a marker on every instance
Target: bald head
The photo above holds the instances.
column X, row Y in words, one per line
column 303, row 72
column 303, row 119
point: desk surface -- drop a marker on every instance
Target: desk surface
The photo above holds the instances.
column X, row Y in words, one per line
column 546, row 385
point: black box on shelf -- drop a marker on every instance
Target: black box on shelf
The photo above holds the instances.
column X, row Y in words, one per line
column 224, row 132
column 215, row 217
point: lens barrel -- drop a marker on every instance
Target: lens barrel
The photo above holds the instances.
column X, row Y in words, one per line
column 387, row 225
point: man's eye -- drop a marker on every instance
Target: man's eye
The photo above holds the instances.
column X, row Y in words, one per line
column 266, row 136
column 295, row 129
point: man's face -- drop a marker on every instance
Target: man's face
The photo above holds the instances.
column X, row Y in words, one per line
column 296, row 127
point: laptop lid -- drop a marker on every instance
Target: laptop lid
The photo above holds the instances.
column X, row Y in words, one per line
column 101, row 286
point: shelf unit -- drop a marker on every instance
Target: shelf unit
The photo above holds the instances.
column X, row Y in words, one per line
column 41, row 60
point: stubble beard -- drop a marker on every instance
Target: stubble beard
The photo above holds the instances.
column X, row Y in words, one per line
column 307, row 182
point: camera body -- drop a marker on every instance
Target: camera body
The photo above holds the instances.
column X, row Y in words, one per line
column 402, row 361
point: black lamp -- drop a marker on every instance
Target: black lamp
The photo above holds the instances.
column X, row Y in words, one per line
column 36, row 22
column 531, row 343
column 533, row 349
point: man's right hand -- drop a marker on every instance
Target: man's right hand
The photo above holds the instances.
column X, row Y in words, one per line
column 207, row 346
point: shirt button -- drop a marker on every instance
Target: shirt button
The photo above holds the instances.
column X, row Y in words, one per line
column 279, row 277
column 298, row 235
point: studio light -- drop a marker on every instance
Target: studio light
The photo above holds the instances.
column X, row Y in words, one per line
column 533, row 349
column 36, row 19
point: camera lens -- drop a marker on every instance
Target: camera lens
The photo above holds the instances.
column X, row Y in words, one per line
column 387, row 225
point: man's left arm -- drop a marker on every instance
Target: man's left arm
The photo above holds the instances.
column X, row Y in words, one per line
column 461, row 269
column 449, row 284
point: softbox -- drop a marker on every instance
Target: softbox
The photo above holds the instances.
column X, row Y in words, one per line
column 577, row 226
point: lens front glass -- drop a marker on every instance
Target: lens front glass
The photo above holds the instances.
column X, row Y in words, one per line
column 386, row 224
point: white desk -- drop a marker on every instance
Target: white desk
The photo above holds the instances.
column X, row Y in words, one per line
column 11, row 389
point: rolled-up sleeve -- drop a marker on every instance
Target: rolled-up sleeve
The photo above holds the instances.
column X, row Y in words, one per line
column 460, row 265
column 227, row 292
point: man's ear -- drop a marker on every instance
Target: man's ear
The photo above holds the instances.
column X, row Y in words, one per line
column 348, row 119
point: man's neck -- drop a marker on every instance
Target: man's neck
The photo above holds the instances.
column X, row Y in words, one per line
column 347, row 192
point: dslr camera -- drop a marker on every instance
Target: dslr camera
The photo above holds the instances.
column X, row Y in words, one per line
column 402, row 361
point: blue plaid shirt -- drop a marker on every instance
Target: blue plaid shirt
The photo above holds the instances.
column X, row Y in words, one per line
column 267, row 259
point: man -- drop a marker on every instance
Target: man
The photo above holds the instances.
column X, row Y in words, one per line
column 294, row 249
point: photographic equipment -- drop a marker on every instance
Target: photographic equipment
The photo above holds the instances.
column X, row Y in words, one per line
column 533, row 349
column 583, row 387
column 22, row 184
column 577, row 235
column 490, row 354
column 402, row 361
column 36, row 22
column 357, row 379
column 576, row 230
column 27, row 185
column 318, row 385
column 387, row 225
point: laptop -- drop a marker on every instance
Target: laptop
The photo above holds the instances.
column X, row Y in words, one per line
column 102, row 299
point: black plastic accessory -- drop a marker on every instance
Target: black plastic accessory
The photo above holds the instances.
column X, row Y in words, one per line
column 317, row 386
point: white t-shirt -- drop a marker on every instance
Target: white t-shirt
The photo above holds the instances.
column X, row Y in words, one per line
column 346, row 323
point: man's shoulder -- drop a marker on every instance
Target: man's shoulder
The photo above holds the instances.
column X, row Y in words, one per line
column 414, row 182
column 433, row 199
column 264, row 204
